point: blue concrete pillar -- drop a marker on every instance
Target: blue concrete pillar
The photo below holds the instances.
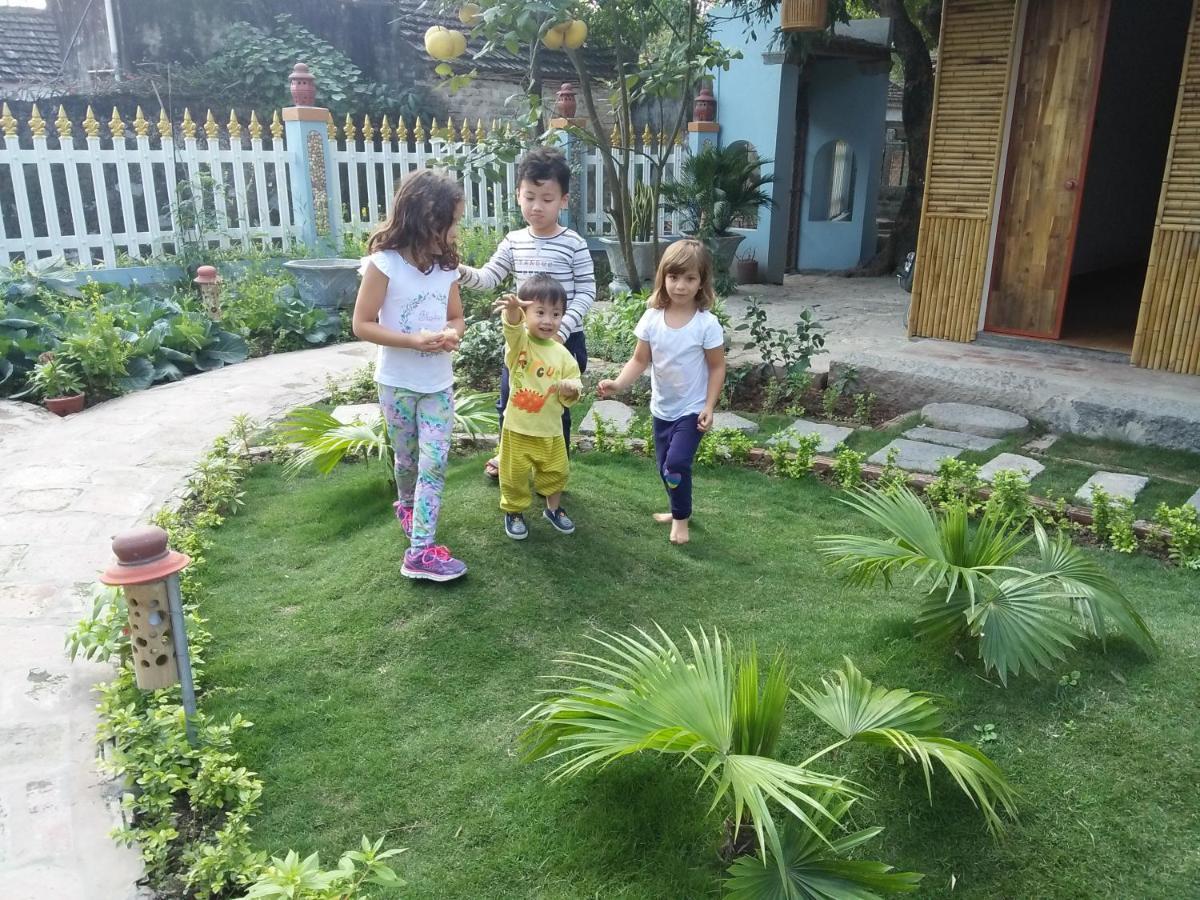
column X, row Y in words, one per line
column 703, row 134
column 312, row 174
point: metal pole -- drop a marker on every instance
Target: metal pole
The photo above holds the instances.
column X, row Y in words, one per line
column 179, row 639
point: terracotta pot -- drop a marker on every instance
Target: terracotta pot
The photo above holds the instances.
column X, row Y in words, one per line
column 747, row 271
column 303, row 86
column 64, row 406
column 566, row 104
column 704, row 107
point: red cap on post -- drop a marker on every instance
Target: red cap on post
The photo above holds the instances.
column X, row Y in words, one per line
column 206, row 275
column 143, row 556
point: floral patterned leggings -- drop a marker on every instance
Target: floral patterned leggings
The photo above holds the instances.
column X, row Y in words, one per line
column 419, row 426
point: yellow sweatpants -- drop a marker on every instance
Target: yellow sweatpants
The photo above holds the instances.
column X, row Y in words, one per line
column 522, row 454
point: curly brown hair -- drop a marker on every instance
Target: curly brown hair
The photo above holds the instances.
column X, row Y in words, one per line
column 679, row 258
column 426, row 205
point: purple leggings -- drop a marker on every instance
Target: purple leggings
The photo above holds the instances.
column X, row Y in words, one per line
column 675, row 446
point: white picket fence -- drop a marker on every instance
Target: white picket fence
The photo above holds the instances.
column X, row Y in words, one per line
column 129, row 192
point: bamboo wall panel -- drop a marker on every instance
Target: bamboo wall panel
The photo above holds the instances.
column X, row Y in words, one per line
column 966, row 134
column 1168, row 329
column 1053, row 105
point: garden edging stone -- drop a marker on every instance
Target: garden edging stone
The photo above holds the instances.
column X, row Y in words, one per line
column 961, row 439
column 985, row 421
column 915, row 456
column 1117, row 485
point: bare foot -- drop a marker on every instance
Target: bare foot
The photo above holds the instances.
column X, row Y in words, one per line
column 679, row 531
column 663, row 518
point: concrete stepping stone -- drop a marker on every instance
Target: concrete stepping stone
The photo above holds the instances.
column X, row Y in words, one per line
column 1014, row 462
column 1194, row 501
column 734, row 421
column 831, row 435
column 617, row 417
column 1118, row 485
column 982, row 420
column 960, row 439
column 1042, row 444
column 348, row 414
column 916, row 456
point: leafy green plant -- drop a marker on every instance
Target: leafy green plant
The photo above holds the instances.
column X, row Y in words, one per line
column 985, row 734
column 957, row 482
column 267, row 311
column 792, row 454
column 304, row 879
column 1021, row 618
column 785, row 393
column 1180, row 530
column 864, row 405
column 480, row 355
column 475, row 413
column 55, row 376
column 726, row 445
column 643, row 219
column 892, row 478
column 1010, row 495
column 606, row 439
column 789, row 350
column 848, row 466
column 830, row 397
column 709, row 706
column 358, row 387
column 610, row 330
column 325, row 442
column 717, row 187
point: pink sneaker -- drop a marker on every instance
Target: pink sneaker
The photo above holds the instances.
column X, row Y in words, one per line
column 432, row 564
column 405, row 515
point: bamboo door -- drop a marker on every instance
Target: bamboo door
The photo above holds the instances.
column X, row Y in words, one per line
column 1061, row 55
column 1168, row 329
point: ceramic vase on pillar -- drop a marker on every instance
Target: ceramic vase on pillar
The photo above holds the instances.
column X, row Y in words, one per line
column 704, row 107
column 565, row 104
column 303, row 86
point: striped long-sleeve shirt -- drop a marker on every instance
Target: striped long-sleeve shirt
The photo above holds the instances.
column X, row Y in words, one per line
column 564, row 256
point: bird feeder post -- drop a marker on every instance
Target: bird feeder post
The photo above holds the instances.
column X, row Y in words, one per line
column 209, row 283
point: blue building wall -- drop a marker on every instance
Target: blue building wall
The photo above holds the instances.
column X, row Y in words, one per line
column 847, row 100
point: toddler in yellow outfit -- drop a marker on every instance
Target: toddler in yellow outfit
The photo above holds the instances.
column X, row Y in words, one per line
column 543, row 381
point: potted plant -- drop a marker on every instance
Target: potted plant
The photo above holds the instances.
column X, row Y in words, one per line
column 747, row 267
column 55, row 380
column 643, row 222
column 330, row 283
column 716, row 188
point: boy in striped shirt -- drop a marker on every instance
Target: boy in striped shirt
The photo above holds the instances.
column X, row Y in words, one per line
column 543, row 248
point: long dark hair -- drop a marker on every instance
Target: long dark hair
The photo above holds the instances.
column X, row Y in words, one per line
column 424, row 209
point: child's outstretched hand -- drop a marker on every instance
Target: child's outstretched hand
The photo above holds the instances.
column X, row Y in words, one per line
column 606, row 388
column 569, row 389
column 509, row 305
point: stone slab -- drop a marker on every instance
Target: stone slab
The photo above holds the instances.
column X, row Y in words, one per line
column 986, row 421
column 916, row 456
column 831, row 435
column 357, row 412
column 734, row 421
column 617, row 417
column 1017, row 463
column 960, row 439
column 1118, row 486
column 1194, row 501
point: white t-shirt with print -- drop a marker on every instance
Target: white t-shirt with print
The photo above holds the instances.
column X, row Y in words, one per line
column 678, row 370
column 414, row 301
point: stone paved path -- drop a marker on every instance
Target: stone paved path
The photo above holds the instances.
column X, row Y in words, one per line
column 66, row 486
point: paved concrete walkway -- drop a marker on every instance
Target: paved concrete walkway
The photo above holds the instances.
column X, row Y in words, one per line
column 67, row 486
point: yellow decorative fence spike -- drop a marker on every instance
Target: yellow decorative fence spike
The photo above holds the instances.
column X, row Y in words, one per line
column 140, row 126
column 466, row 131
column 368, row 130
column 188, row 125
column 350, row 132
column 385, row 130
column 419, row 131
column 662, row 139
column 116, row 126
column 62, row 125
column 37, row 125
column 91, row 125
column 480, row 134
column 433, row 130
column 234, row 127
column 212, row 130
column 256, row 129
column 402, row 133
column 276, row 127
column 8, row 122
column 647, row 136
column 164, row 125
column 615, row 138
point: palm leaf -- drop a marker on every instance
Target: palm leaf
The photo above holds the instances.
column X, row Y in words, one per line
column 325, row 442
column 810, row 867
column 643, row 693
column 1094, row 595
column 859, row 711
column 758, row 713
column 943, row 619
column 1022, row 625
column 475, row 413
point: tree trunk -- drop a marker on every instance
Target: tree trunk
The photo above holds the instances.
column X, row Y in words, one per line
column 918, row 106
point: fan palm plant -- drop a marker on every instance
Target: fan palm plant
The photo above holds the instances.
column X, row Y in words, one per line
column 718, row 186
column 644, row 693
column 1023, row 618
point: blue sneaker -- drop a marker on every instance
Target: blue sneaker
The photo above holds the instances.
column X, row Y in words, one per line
column 515, row 527
column 560, row 520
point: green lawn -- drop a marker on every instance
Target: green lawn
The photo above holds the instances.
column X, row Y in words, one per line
column 383, row 706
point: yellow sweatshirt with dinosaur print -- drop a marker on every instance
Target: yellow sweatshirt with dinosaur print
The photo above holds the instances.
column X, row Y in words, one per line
column 535, row 368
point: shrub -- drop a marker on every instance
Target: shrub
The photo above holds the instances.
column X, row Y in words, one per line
column 792, row 454
column 1010, row 495
column 781, row 348
column 1183, row 545
column 480, row 355
column 956, row 482
column 610, row 330
column 892, row 478
column 723, row 445
column 848, row 466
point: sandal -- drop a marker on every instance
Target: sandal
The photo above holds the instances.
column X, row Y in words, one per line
column 492, row 468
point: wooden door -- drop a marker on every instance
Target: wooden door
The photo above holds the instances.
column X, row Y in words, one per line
column 1168, row 329
column 1061, row 56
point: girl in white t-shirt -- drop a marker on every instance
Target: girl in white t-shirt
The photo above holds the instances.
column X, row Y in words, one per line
column 683, row 345
column 409, row 305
